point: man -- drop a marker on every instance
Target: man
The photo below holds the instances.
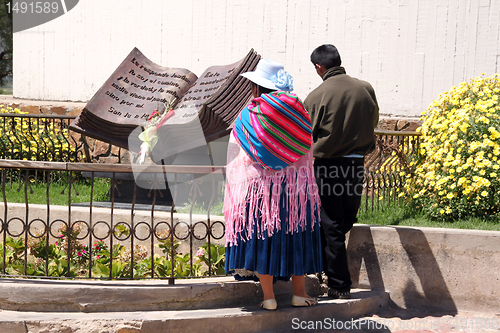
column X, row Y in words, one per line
column 344, row 114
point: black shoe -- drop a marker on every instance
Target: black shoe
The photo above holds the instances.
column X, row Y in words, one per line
column 334, row 293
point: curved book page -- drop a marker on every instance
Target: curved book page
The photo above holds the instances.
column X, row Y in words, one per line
column 138, row 86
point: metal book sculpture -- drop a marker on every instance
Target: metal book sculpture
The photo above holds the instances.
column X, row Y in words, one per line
column 162, row 110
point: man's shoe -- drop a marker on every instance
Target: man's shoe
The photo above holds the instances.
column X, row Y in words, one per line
column 334, row 293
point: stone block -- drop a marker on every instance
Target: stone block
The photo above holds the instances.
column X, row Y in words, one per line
column 60, row 110
column 125, row 157
column 74, row 112
column 402, row 124
column 44, row 110
column 387, row 124
column 101, row 148
column 413, row 125
column 115, row 150
column 108, row 159
column 128, row 330
column 407, row 125
column 31, row 109
column 75, row 140
column 13, row 327
column 75, row 136
column 90, row 142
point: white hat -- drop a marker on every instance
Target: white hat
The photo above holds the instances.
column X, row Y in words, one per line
column 270, row 74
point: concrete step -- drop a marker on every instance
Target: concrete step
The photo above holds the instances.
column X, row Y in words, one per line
column 247, row 318
column 139, row 295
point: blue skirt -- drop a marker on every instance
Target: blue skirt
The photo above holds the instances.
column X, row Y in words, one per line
column 281, row 255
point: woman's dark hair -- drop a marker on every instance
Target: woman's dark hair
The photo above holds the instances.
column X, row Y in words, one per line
column 264, row 90
column 327, row 56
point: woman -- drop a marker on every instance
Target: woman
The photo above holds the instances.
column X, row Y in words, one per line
column 271, row 204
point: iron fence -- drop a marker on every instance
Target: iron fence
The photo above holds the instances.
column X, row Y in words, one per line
column 117, row 241
column 37, row 138
column 385, row 167
column 117, row 221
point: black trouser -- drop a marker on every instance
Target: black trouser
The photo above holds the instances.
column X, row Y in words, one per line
column 340, row 185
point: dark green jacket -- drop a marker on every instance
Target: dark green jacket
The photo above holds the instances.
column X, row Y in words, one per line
column 344, row 113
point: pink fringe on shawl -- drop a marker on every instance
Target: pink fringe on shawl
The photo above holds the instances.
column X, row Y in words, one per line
column 248, row 183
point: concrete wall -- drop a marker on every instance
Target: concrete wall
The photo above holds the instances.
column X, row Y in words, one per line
column 409, row 50
column 446, row 269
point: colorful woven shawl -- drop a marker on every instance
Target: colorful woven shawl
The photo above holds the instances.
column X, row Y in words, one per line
column 274, row 130
column 271, row 132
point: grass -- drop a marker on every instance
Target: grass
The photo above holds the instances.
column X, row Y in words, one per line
column 201, row 208
column 58, row 192
column 80, row 192
column 398, row 214
column 394, row 214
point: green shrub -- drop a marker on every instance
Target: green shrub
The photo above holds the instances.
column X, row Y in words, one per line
column 455, row 172
column 217, row 258
column 115, row 261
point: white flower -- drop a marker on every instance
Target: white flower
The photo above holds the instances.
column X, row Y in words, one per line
column 283, row 80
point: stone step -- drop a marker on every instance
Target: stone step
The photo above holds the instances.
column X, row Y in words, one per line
column 137, row 295
column 246, row 318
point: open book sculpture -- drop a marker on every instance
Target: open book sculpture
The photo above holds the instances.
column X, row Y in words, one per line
column 164, row 110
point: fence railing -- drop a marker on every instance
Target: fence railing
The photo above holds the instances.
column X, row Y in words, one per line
column 119, row 221
column 37, row 138
column 45, row 240
column 383, row 167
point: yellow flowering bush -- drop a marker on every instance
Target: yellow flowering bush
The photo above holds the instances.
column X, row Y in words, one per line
column 455, row 171
column 33, row 139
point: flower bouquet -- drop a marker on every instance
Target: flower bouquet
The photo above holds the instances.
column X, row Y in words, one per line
column 149, row 135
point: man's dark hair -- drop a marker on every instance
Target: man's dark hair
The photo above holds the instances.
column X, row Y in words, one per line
column 326, row 55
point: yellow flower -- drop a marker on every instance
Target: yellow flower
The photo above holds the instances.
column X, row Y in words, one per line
column 454, row 153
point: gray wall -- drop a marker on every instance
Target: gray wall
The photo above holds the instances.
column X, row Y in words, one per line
column 446, row 269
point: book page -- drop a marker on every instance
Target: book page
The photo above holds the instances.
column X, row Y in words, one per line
column 136, row 88
column 209, row 82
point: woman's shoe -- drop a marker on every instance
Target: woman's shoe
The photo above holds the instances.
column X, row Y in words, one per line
column 304, row 301
column 269, row 304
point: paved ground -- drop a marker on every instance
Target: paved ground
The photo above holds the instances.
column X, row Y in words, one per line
column 403, row 321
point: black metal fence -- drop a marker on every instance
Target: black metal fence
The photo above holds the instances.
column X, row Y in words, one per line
column 93, row 220
column 385, row 167
column 37, row 138
column 118, row 240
